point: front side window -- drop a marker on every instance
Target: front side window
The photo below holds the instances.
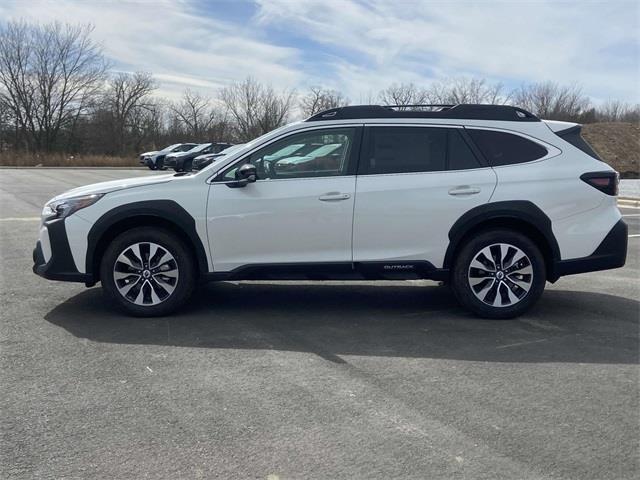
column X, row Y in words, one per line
column 316, row 153
column 500, row 148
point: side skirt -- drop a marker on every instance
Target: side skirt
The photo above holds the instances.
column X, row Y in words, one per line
column 403, row 270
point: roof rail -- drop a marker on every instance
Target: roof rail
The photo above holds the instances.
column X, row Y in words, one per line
column 461, row 111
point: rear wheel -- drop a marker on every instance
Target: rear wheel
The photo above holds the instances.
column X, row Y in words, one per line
column 147, row 272
column 499, row 274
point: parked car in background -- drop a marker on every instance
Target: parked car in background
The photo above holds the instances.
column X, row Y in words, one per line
column 205, row 160
column 183, row 161
column 155, row 160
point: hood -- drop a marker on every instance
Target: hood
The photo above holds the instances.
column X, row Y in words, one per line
column 113, row 185
column 177, row 155
column 206, row 156
column 148, row 153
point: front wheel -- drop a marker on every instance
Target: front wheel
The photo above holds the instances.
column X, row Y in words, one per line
column 147, row 272
column 499, row 274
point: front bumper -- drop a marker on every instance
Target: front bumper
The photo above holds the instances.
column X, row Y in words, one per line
column 170, row 162
column 611, row 253
column 60, row 265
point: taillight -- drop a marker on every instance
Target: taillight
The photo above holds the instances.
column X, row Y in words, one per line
column 606, row 182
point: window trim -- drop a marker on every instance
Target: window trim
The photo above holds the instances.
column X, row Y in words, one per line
column 552, row 151
column 352, row 161
column 362, row 169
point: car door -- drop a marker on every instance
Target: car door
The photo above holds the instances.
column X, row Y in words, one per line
column 413, row 183
column 298, row 211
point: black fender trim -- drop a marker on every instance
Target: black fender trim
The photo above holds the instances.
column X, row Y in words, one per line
column 512, row 210
column 165, row 210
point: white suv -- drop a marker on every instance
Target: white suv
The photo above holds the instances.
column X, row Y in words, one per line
column 487, row 198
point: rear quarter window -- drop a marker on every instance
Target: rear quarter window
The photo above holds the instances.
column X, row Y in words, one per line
column 501, row 148
column 574, row 137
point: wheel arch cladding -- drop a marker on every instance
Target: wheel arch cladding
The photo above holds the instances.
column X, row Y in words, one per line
column 165, row 214
column 519, row 215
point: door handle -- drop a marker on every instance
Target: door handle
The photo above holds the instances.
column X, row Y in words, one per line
column 464, row 190
column 334, row 197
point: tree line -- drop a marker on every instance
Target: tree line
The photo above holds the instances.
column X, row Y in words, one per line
column 58, row 94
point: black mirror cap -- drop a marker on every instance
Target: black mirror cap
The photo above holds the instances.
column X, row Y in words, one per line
column 246, row 171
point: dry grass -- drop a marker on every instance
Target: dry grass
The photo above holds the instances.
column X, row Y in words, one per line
column 618, row 144
column 22, row 159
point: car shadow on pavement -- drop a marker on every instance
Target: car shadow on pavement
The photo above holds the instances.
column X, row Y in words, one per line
column 399, row 320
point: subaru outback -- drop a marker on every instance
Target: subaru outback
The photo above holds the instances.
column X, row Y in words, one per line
column 488, row 199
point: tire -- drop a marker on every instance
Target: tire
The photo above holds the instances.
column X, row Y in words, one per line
column 152, row 166
column 499, row 274
column 187, row 166
column 133, row 286
column 160, row 164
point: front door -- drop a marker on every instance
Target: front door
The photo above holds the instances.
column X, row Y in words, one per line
column 300, row 209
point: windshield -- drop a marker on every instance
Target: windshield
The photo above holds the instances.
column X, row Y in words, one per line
column 231, row 149
column 199, row 148
column 170, row 147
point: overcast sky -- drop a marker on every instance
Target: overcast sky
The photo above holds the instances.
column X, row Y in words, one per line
column 361, row 46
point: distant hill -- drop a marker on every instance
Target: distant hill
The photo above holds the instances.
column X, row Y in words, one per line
column 618, row 144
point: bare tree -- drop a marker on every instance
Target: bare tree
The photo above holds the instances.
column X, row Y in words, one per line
column 318, row 99
column 127, row 98
column 256, row 108
column 553, row 101
column 618, row 111
column 49, row 75
column 195, row 112
column 404, row 94
column 467, row 90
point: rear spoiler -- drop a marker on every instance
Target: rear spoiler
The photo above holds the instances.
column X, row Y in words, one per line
column 558, row 127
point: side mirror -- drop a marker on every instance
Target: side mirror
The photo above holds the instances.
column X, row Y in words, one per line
column 245, row 175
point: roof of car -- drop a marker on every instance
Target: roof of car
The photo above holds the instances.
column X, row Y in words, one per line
column 461, row 111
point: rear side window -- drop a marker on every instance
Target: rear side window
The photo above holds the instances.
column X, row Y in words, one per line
column 500, row 148
column 406, row 150
column 574, row 137
column 460, row 156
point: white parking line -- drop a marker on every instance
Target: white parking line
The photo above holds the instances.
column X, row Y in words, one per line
column 634, row 235
column 632, row 215
column 20, row 219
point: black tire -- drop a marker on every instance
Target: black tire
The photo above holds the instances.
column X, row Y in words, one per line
column 183, row 262
column 488, row 287
column 151, row 165
column 160, row 164
column 187, row 166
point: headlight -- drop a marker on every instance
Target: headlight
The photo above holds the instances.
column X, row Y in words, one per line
column 66, row 206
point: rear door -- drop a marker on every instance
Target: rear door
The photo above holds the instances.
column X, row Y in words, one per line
column 414, row 182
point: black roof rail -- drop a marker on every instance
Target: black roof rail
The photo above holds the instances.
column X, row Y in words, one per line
column 461, row 111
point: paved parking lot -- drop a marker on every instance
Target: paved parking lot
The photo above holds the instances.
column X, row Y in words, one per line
column 310, row 380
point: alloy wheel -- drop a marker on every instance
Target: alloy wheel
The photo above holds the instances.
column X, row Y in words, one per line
column 145, row 273
column 500, row 275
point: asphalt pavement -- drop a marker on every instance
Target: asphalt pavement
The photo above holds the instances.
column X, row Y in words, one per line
column 310, row 380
